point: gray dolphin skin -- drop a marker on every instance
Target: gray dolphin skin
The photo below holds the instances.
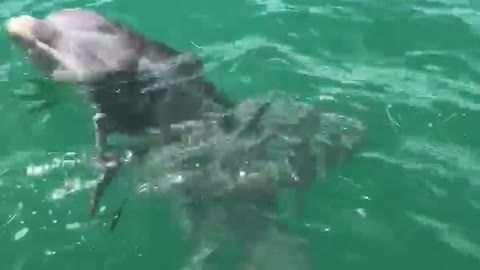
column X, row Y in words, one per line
column 134, row 83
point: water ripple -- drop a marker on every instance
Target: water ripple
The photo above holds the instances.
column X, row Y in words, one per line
column 449, row 234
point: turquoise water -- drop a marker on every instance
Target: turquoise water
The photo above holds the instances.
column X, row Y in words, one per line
column 407, row 69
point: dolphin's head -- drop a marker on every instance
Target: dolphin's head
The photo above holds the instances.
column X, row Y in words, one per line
column 20, row 30
column 25, row 30
column 72, row 45
column 28, row 33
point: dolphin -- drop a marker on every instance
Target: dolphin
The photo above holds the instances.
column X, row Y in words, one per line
column 140, row 86
column 136, row 85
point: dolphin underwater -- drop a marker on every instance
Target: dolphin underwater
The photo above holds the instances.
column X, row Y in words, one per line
column 230, row 180
column 135, row 84
column 139, row 86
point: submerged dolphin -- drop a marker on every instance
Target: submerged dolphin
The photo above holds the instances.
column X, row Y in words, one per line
column 135, row 84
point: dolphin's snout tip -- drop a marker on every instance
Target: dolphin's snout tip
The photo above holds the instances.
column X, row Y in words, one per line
column 20, row 26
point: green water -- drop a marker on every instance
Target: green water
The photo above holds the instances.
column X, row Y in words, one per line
column 407, row 69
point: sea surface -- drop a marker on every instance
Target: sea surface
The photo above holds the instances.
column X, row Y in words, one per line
column 408, row 70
